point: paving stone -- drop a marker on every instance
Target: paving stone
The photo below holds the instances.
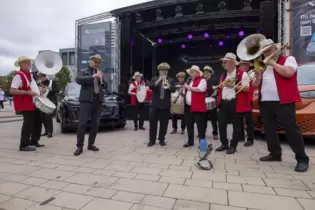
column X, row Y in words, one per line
column 219, row 207
column 71, row 200
column 280, row 176
column 312, row 193
column 11, row 188
column 151, row 188
column 292, row 193
column 16, row 204
column 128, row 197
column 283, row 183
column 54, row 185
column 197, row 194
column 198, row 183
column 159, row 166
column 103, row 172
column 202, row 175
column 252, row 173
column 180, row 168
column 148, row 177
column 37, row 194
column 46, row 207
column 84, row 170
column 15, row 178
column 245, row 180
column 92, row 180
column 190, row 205
column 119, row 168
column 258, row 189
column 261, row 201
column 52, row 174
column 75, row 188
column 172, row 180
column 34, row 181
column 171, row 161
column 227, row 186
column 156, row 201
column 150, row 171
column 101, row 204
column 307, row 204
column 143, row 207
column 125, row 175
column 4, row 198
column 100, row 192
column 176, row 173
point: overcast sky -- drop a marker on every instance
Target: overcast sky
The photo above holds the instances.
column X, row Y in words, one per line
column 27, row 26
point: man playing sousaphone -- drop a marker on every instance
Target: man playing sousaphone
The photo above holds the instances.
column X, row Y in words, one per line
column 138, row 108
column 278, row 95
column 179, row 85
column 23, row 89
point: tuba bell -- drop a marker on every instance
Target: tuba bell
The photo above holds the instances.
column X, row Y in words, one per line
column 48, row 63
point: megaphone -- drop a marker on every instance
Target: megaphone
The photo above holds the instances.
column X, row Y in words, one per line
column 48, row 63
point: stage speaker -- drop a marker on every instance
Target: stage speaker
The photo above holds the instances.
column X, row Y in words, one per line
column 268, row 15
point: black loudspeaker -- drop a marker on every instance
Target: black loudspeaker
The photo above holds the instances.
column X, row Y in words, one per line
column 268, row 15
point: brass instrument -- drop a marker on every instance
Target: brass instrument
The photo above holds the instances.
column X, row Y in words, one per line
column 182, row 90
column 165, row 83
column 222, row 84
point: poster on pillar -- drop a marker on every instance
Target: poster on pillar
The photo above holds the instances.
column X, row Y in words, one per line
column 303, row 30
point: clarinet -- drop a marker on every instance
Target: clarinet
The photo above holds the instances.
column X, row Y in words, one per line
column 182, row 90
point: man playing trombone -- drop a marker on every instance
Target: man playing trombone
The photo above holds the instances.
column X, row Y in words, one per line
column 161, row 87
column 232, row 106
column 278, row 95
column 138, row 108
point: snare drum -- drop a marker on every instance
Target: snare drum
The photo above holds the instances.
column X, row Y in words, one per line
column 44, row 105
column 178, row 107
column 144, row 94
column 210, row 103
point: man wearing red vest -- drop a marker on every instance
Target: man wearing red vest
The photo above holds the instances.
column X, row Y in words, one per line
column 195, row 104
column 278, row 94
column 232, row 107
column 138, row 108
column 23, row 89
column 245, row 66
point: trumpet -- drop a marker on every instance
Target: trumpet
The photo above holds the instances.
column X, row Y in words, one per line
column 101, row 79
column 222, row 84
column 165, row 83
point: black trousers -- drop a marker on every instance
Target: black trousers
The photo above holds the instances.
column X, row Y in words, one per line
column 138, row 110
column 88, row 111
column 212, row 115
column 195, row 117
column 248, row 116
column 31, row 128
column 1, row 105
column 271, row 112
column 174, row 121
column 228, row 114
column 47, row 121
column 162, row 116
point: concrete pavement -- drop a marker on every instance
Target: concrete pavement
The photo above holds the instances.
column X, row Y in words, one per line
column 126, row 175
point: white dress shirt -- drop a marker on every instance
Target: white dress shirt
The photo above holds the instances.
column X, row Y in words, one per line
column 17, row 83
column 202, row 87
column 227, row 92
column 269, row 90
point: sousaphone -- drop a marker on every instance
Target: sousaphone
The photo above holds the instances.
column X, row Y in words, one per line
column 48, row 63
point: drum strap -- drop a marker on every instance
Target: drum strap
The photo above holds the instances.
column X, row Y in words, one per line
column 203, row 162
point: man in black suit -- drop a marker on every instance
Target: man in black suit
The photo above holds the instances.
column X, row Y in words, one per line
column 91, row 99
column 161, row 87
column 50, row 86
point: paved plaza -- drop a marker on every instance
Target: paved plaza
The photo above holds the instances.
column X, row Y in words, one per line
column 127, row 175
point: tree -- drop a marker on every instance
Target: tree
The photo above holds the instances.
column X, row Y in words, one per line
column 63, row 78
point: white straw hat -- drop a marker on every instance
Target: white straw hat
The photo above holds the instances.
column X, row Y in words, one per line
column 21, row 59
column 137, row 74
column 194, row 68
column 230, row 57
column 267, row 43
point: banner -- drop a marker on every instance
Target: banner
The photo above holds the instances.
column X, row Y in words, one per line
column 303, row 30
column 94, row 39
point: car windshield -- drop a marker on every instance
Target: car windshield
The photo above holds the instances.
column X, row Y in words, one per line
column 306, row 74
column 73, row 89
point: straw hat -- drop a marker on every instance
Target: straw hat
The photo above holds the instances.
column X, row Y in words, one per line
column 163, row 66
column 230, row 57
column 209, row 69
column 97, row 58
column 267, row 43
column 181, row 74
column 21, row 59
column 194, row 68
column 137, row 74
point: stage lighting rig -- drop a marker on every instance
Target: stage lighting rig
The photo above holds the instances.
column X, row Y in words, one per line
column 222, row 5
column 199, row 9
column 247, row 5
column 178, row 11
column 138, row 18
column 159, row 15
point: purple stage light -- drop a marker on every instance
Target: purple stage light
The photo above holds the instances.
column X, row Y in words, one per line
column 241, row 33
column 131, row 43
column 206, row 35
column 170, row 41
column 227, row 36
column 221, row 43
column 160, row 40
column 183, row 46
column 190, row 36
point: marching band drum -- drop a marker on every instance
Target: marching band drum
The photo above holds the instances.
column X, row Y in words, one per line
column 210, row 103
column 144, row 94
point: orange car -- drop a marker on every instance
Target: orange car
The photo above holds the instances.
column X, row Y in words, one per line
column 305, row 109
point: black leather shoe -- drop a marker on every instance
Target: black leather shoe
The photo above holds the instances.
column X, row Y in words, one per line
column 215, row 137
column 44, row 134
column 37, row 145
column 136, row 128
column 248, row 143
column 301, row 167
column 151, row 143
column 222, row 148
column 93, row 148
column 27, row 149
column 231, row 151
column 142, row 128
column 49, row 135
column 174, row 131
column 270, row 158
column 162, row 143
column 182, row 132
column 188, row 145
column 78, row 152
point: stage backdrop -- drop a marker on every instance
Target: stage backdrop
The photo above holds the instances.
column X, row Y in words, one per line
column 96, row 39
column 303, row 30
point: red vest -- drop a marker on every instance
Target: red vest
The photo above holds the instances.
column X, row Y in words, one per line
column 198, row 99
column 23, row 103
column 133, row 99
column 242, row 98
column 287, row 87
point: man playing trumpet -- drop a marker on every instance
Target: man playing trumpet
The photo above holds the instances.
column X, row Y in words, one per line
column 278, row 95
column 232, row 106
column 138, row 108
column 161, row 87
